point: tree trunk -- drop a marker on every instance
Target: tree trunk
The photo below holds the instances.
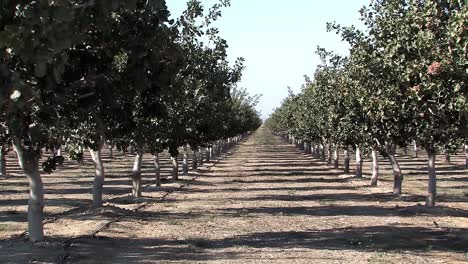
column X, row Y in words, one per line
column 3, row 171
column 358, row 163
column 195, row 160
column 175, row 168
column 329, row 154
column 405, row 150
column 201, row 156
column 415, row 149
column 447, row 158
column 375, row 168
column 397, row 175
column 59, row 154
column 185, row 166
column 346, row 160
column 157, row 169
column 136, row 174
column 132, row 151
column 308, row 148
column 81, row 150
column 211, row 154
column 301, row 144
column 432, row 185
column 29, row 162
column 337, row 157
column 111, row 153
column 322, row 152
column 99, row 175
column 208, row 154
column 317, row 151
column 466, row 156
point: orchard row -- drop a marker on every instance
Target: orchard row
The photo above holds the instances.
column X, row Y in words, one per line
column 85, row 74
column 404, row 82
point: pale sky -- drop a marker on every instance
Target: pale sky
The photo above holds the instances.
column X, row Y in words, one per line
column 278, row 40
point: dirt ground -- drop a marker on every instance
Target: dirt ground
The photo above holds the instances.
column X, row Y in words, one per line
column 263, row 202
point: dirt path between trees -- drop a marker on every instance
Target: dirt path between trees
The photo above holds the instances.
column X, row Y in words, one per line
column 264, row 203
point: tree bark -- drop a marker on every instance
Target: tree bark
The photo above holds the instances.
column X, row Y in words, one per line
column 175, row 168
column 415, row 149
column 201, row 157
column 322, row 152
column 3, row 171
column 447, row 158
column 466, row 156
column 185, row 165
column 136, row 174
column 29, row 163
column 111, row 153
column 195, row 160
column 397, row 175
column 59, row 154
column 346, row 160
column 99, row 176
column 337, row 157
column 208, row 154
column 358, row 163
column 301, row 144
column 375, row 168
column 329, row 154
column 157, row 169
column 308, row 147
column 432, row 185
column 211, row 154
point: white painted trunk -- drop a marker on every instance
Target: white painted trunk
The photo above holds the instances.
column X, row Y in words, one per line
column 99, row 177
column 157, row 169
column 432, row 184
column 29, row 163
column 415, row 149
column 466, row 156
column 175, row 168
column 337, row 157
column 185, row 165
column 375, row 168
column 211, row 154
column 59, row 153
column 359, row 162
column 136, row 174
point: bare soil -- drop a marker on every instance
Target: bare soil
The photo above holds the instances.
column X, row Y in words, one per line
column 263, row 202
